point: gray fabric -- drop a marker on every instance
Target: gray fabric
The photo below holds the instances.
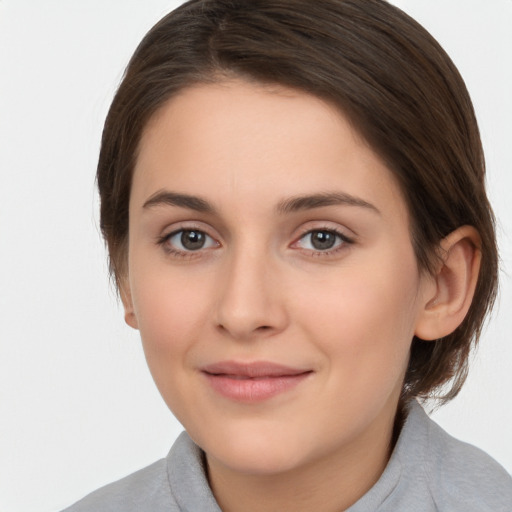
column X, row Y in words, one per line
column 429, row 471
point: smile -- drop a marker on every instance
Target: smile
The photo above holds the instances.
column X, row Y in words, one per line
column 253, row 382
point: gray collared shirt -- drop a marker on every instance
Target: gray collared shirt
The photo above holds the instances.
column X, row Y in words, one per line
column 429, row 471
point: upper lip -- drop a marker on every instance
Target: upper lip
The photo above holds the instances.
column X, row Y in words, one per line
column 253, row 369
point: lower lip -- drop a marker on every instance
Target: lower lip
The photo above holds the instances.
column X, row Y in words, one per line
column 255, row 389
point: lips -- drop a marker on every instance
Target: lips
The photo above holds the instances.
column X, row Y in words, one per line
column 252, row 382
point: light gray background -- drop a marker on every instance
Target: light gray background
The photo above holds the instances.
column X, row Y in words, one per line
column 77, row 405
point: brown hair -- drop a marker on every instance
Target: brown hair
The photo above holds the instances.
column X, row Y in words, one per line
column 383, row 70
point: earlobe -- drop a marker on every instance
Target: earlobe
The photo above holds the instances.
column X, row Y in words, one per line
column 126, row 298
column 455, row 282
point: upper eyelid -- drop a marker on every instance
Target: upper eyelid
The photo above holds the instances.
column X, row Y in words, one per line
column 306, row 228
column 173, row 232
column 163, row 242
column 344, row 238
column 334, row 227
column 191, row 225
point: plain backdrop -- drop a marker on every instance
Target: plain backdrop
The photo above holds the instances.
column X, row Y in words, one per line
column 78, row 408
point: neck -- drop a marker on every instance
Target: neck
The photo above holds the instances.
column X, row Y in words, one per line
column 331, row 483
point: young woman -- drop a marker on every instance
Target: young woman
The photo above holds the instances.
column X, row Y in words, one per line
column 292, row 194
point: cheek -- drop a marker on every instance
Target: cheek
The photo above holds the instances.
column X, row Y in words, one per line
column 363, row 319
column 170, row 310
column 171, row 320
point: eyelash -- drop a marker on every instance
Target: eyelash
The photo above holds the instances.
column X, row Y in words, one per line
column 177, row 253
column 342, row 243
column 169, row 249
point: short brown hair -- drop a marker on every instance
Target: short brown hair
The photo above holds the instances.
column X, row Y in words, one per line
column 383, row 71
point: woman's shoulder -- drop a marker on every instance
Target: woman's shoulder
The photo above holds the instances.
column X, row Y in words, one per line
column 460, row 476
column 174, row 484
column 431, row 471
column 145, row 490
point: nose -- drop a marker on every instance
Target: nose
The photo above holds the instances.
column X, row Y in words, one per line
column 251, row 301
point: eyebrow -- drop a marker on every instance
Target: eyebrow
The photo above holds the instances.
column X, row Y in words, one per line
column 290, row 205
column 309, row 202
column 165, row 197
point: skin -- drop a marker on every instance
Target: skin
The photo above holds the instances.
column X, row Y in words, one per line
column 260, row 290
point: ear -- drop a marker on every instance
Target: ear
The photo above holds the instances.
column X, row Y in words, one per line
column 454, row 284
column 126, row 298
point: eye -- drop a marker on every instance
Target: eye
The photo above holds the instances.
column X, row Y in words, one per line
column 189, row 240
column 322, row 240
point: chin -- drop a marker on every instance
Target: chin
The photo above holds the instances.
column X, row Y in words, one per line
column 262, row 450
column 257, row 460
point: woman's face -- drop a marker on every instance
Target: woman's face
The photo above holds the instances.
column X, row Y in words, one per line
column 271, row 275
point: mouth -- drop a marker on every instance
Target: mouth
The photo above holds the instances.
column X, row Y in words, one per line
column 252, row 382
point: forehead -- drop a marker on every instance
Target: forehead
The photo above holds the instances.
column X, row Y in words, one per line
column 241, row 140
